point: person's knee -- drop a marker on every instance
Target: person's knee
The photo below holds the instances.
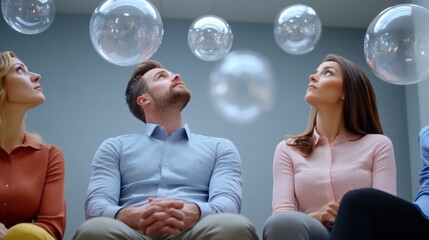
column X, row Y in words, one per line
column 94, row 228
column 239, row 222
column 283, row 225
column 229, row 226
column 359, row 196
column 229, row 221
column 283, row 220
column 27, row 231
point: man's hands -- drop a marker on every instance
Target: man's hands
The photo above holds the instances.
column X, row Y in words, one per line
column 161, row 216
column 327, row 214
column 192, row 214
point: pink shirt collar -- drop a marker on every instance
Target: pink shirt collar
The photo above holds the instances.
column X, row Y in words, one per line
column 343, row 137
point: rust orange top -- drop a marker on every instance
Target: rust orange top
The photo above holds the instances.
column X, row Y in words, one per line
column 32, row 186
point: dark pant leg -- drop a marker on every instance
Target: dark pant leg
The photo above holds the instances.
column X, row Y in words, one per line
column 371, row 214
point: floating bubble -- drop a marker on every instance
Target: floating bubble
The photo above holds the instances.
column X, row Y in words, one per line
column 297, row 29
column 28, row 16
column 396, row 44
column 126, row 32
column 242, row 86
column 210, row 38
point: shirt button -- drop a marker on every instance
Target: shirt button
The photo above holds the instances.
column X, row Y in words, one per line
column 6, row 185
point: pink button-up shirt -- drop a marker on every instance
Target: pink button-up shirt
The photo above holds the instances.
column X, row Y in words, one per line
column 307, row 184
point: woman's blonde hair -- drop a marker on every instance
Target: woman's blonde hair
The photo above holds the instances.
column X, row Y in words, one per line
column 5, row 65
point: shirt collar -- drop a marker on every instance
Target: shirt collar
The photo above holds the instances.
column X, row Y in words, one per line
column 343, row 137
column 30, row 141
column 159, row 132
column 316, row 136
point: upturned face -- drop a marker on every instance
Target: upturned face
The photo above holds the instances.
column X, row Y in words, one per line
column 22, row 86
column 326, row 85
column 166, row 88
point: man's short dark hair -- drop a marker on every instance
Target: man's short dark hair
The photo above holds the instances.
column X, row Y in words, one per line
column 137, row 86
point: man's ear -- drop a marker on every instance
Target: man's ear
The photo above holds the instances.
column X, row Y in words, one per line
column 143, row 99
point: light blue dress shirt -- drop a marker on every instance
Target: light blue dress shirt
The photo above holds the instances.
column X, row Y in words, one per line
column 128, row 169
column 422, row 198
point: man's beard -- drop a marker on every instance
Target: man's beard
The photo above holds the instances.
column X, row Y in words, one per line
column 171, row 100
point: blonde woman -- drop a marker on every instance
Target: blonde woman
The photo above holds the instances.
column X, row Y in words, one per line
column 32, row 203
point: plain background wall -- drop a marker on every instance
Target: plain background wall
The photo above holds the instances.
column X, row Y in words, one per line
column 417, row 99
column 85, row 101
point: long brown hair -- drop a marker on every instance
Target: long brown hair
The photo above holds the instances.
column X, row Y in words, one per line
column 360, row 110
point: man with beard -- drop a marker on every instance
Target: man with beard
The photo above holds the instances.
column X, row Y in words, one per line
column 167, row 182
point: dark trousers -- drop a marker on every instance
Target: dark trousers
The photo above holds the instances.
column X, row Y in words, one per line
column 371, row 214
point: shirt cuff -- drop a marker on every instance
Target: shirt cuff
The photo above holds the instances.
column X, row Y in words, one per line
column 111, row 211
column 205, row 209
column 422, row 203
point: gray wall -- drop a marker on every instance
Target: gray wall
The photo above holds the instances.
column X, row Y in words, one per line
column 413, row 116
column 418, row 116
column 85, row 101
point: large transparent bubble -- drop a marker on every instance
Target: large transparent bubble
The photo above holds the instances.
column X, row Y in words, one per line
column 126, row 32
column 28, row 16
column 242, row 86
column 396, row 44
column 297, row 29
column 210, row 38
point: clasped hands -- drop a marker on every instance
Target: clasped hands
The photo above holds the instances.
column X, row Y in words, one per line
column 161, row 216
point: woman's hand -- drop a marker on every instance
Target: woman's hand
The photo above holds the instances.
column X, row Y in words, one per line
column 327, row 214
column 3, row 231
